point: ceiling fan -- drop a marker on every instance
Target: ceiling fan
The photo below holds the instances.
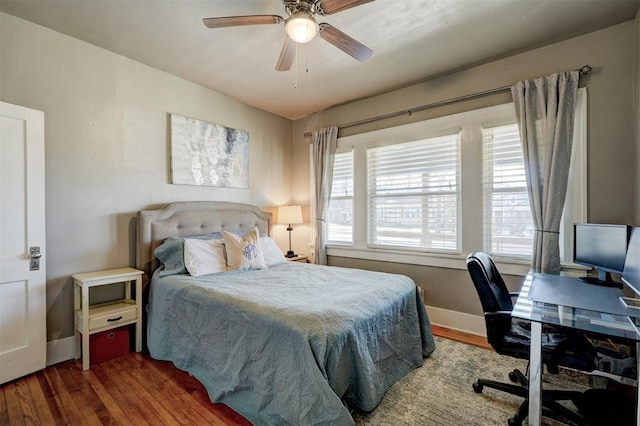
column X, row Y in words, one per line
column 301, row 27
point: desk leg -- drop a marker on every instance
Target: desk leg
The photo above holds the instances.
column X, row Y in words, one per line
column 535, row 374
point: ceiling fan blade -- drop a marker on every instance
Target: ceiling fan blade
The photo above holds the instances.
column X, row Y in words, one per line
column 287, row 55
column 347, row 44
column 328, row 7
column 234, row 21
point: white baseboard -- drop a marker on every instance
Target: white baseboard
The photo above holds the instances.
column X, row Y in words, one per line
column 61, row 350
column 472, row 324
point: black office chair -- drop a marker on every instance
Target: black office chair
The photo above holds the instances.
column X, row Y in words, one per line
column 512, row 338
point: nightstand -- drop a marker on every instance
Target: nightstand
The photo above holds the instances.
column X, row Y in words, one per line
column 302, row 258
column 90, row 319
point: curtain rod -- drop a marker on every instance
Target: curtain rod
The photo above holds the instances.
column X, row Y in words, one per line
column 584, row 70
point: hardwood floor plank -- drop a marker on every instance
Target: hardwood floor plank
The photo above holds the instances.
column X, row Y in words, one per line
column 142, row 393
column 42, row 407
column 70, row 413
column 4, row 411
column 50, row 398
column 14, row 411
column 27, row 403
column 124, row 398
column 459, row 336
column 174, row 396
column 135, row 397
column 111, row 405
column 92, row 408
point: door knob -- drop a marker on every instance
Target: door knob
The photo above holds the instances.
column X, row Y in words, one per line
column 34, row 258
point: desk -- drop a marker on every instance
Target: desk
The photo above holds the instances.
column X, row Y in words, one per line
column 625, row 324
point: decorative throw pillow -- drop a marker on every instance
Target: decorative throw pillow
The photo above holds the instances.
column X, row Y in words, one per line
column 271, row 252
column 202, row 257
column 244, row 252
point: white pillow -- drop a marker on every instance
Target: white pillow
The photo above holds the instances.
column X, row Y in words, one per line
column 244, row 252
column 271, row 252
column 202, row 257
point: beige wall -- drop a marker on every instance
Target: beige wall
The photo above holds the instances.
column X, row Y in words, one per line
column 106, row 124
column 611, row 150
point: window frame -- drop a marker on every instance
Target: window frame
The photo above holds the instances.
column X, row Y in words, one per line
column 470, row 125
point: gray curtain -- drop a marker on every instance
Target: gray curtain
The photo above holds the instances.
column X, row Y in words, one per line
column 324, row 152
column 545, row 110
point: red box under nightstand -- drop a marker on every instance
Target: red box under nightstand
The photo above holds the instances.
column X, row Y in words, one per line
column 108, row 344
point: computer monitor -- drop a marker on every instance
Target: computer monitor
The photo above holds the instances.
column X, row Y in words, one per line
column 631, row 271
column 603, row 247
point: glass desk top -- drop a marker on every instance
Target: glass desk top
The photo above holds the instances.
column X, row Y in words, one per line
column 626, row 326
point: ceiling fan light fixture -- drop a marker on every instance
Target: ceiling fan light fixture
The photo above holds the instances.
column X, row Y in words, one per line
column 301, row 27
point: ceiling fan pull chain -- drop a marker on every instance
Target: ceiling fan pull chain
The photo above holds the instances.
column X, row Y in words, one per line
column 295, row 86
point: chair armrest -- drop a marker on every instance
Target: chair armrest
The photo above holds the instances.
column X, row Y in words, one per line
column 498, row 323
column 514, row 293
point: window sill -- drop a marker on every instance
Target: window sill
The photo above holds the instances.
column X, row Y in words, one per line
column 438, row 260
column 507, row 266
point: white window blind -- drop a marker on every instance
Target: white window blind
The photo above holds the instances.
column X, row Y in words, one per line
column 340, row 217
column 414, row 194
column 508, row 227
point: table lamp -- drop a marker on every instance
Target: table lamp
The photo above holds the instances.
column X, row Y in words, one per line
column 289, row 215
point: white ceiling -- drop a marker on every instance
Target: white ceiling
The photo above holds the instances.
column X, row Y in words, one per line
column 412, row 40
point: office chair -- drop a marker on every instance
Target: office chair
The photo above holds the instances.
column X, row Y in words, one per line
column 512, row 338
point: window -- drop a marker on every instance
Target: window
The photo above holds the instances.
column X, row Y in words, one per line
column 340, row 217
column 413, row 194
column 431, row 192
column 508, row 226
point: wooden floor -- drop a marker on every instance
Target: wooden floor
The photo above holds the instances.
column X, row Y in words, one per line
column 459, row 336
column 129, row 390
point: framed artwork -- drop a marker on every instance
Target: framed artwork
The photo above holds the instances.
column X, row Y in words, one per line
column 208, row 154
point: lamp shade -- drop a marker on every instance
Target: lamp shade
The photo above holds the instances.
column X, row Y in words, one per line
column 301, row 27
column 288, row 215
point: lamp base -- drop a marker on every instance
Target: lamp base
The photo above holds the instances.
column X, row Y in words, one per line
column 290, row 254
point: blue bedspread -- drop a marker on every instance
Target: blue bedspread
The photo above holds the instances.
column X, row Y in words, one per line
column 294, row 344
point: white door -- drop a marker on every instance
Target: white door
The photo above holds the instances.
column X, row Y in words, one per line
column 23, row 336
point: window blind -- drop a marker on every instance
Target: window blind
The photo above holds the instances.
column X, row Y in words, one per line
column 507, row 225
column 413, row 194
column 340, row 217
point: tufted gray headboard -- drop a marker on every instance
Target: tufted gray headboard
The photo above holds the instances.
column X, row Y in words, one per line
column 191, row 218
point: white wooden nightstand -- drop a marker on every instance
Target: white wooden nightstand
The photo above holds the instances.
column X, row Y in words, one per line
column 90, row 319
column 302, row 258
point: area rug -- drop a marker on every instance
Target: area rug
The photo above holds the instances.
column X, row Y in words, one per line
column 440, row 392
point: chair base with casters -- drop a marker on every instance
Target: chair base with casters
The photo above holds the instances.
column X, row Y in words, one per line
column 550, row 399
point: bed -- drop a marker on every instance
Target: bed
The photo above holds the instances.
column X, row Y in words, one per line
column 289, row 344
